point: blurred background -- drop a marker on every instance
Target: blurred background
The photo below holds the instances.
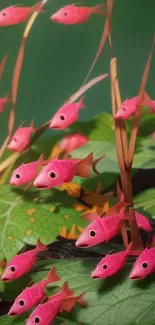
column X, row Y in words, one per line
column 58, row 57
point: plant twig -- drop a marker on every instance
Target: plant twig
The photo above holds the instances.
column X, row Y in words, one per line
column 142, row 95
column 125, row 173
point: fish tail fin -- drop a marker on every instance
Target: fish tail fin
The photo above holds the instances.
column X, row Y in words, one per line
column 81, row 103
column 52, row 276
column 66, row 291
column 99, row 9
column 83, row 167
column 40, row 247
column 38, row 7
column 96, row 162
column 68, row 303
column 130, row 251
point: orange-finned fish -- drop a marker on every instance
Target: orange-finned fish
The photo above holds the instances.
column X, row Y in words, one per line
column 21, row 138
column 57, row 172
column 22, row 263
column 71, row 14
column 15, row 15
column 66, row 115
column 144, row 265
column 26, row 173
column 72, row 142
column 46, row 312
column 112, row 263
column 32, row 295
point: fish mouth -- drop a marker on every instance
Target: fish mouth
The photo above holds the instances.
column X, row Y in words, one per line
column 4, row 279
column 54, row 18
column 95, row 277
column 12, row 313
column 54, row 127
column 134, row 277
column 82, row 246
column 41, row 187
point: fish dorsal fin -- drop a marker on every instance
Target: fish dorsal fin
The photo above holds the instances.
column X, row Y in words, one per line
column 102, row 213
column 21, row 124
column 31, row 284
column 45, row 299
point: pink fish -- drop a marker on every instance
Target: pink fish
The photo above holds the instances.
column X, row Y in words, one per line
column 128, row 107
column 21, row 138
column 3, row 102
column 14, row 15
column 111, row 264
column 26, row 173
column 143, row 222
column 71, row 14
column 21, row 264
column 73, row 141
column 144, row 265
column 58, row 172
column 153, row 135
column 66, row 115
column 100, row 230
column 64, row 300
column 32, row 295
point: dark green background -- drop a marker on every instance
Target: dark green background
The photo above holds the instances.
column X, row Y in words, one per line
column 58, row 57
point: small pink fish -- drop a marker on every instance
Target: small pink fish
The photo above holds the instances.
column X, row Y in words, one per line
column 46, row 312
column 14, row 15
column 66, row 115
column 62, row 171
column 144, row 265
column 22, row 263
column 3, row 102
column 100, row 230
column 128, row 107
column 73, row 141
column 71, row 14
column 111, row 264
column 143, row 222
column 21, row 138
column 32, row 295
column 153, row 135
column 26, row 173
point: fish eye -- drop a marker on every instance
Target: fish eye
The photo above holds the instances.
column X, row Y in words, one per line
column 92, row 233
column 52, row 174
column 104, row 266
column 65, row 13
column 12, row 268
column 144, row 265
column 21, row 302
column 3, row 13
column 37, row 320
column 17, row 176
column 123, row 109
column 62, row 117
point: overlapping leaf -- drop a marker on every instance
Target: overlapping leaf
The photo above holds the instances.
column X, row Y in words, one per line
column 146, row 200
column 26, row 216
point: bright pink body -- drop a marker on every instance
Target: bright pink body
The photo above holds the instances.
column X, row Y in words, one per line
column 100, row 230
column 32, row 295
column 110, row 264
column 62, row 171
column 25, row 173
column 153, row 135
column 47, row 311
column 71, row 14
column 21, row 138
column 3, row 102
column 128, row 108
column 21, row 264
column 144, row 265
column 72, row 142
column 66, row 115
column 56, row 173
column 14, row 15
column 142, row 222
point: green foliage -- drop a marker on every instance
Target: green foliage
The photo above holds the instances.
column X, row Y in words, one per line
column 26, row 216
column 146, row 200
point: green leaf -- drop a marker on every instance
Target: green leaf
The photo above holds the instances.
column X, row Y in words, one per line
column 146, row 200
column 115, row 301
column 26, row 216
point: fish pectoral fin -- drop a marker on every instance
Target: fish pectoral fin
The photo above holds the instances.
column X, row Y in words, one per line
column 31, row 284
column 83, row 167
